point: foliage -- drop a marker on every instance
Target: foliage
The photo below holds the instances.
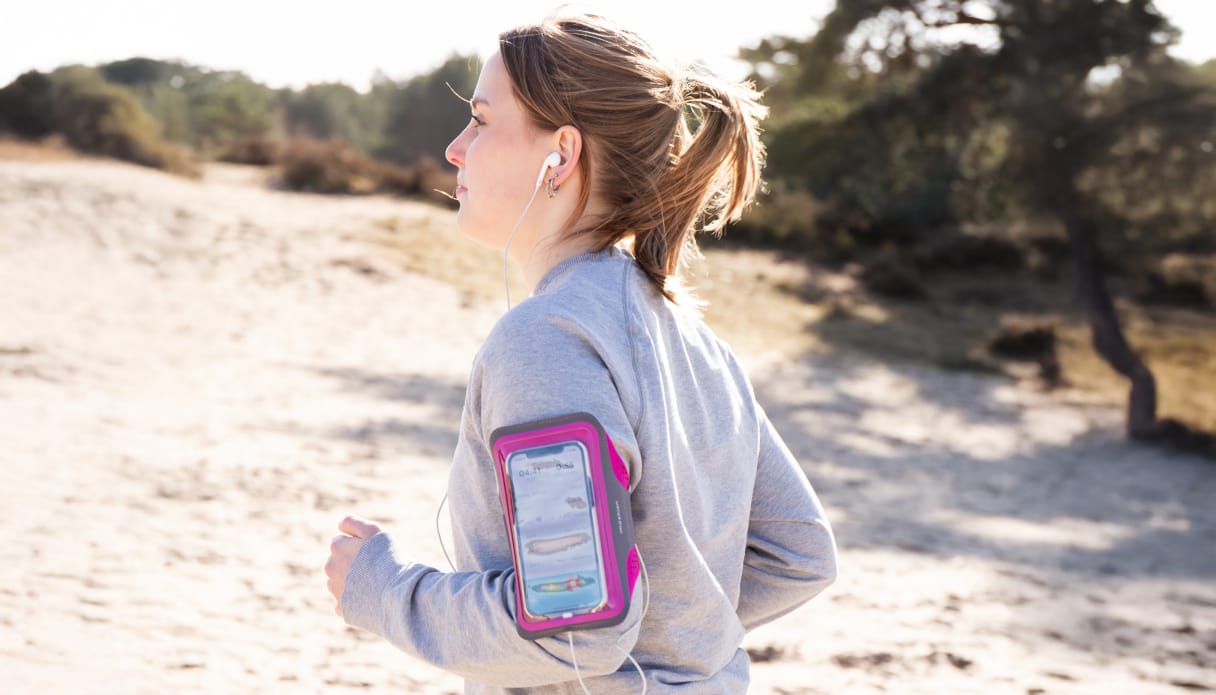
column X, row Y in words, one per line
column 901, row 134
column 228, row 105
column 1022, row 123
column 90, row 114
column 27, row 106
column 125, row 108
column 253, row 150
column 424, row 114
column 333, row 110
column 202, row 108
column 400, row 121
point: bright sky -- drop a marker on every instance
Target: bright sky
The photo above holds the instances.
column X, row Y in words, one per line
column 296, row 42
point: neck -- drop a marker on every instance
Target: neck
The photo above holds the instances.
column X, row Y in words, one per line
column 540, row 252
column 544, row 255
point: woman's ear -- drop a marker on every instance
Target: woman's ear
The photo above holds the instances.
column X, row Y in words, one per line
column 569, row 144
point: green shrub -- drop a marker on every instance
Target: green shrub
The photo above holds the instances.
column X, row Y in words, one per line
column 225, row 106
column 27, row 106
column 91, row 115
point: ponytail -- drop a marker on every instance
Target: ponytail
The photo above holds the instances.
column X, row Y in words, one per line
column 714, row 175
column 661, row 180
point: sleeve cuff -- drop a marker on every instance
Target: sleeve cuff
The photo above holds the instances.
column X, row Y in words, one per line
column 378, row 563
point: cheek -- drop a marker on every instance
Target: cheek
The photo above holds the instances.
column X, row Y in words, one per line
column 483, row 161
column 489, row 179
column 480, row 206
column 497, row 191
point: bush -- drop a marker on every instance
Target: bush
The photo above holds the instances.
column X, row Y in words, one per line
column 796, row 220
column 91, row 115
column 891, row 274
column 324, row 166
column 779, row 217
column 1020, row 338
column 255, row 150
column 332, row 166
column 1179, row 279
column 1029, row 340
column 27, row 106
column 953, row 249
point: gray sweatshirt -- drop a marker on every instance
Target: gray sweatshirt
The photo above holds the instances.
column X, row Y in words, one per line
column 730, row 531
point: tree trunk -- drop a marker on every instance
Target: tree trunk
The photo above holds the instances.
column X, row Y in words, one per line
column 1106, row 332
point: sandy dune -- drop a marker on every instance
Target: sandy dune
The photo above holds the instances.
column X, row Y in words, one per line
column 198, row 379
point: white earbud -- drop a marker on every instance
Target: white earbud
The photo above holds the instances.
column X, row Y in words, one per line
column 552, row 160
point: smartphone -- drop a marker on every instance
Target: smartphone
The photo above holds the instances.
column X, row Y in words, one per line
column 566, row 505
column 560, row 570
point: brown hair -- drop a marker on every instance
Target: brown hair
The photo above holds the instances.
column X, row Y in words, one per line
column 657, row 176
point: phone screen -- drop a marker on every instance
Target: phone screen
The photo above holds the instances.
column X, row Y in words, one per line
column 556, row 536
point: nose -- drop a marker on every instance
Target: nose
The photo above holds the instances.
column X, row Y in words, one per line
column 455, row 150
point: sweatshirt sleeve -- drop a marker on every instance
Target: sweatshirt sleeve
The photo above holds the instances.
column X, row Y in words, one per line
column 791, row 553
column 464, row 622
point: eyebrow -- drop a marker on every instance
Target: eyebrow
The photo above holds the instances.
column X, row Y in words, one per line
column 478, row 100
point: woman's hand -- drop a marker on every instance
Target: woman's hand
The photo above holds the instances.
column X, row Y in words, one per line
column 342, row 551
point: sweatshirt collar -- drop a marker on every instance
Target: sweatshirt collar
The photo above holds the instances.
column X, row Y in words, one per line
column 562, row 268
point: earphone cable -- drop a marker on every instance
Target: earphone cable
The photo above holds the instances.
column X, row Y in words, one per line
column 505, row 285
column 636, row 665
column 439, row 533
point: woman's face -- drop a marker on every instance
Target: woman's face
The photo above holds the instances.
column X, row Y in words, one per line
column 497, row 156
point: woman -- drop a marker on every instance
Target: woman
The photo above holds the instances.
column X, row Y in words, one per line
column 731, row 532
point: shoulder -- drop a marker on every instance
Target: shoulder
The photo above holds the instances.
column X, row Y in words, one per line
column 566, row 349
column 585, row 302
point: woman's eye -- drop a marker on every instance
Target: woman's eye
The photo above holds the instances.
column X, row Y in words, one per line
column 477, row 122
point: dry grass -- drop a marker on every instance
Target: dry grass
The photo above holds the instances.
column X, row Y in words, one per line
column 435, row 248
column 1179, row 346
column 171, row 158
column 333, row 166
column 51, row 149
column 732, row 282
column 749, row 302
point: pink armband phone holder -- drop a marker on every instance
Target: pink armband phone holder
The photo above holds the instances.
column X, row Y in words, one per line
column 565, row 495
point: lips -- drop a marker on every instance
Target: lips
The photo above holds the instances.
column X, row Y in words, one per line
column 460, row 189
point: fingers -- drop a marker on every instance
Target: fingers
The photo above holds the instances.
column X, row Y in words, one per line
column 358, row 527
column 335, row 590
column 339, row 559
column 342, row 551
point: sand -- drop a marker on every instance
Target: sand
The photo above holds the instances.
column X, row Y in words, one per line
column 198, row 379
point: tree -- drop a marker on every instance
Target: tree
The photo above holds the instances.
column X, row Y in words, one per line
column 228, row 105
column 423, row 113
column 162, row 86
column 1029, row 85
column 333, row 111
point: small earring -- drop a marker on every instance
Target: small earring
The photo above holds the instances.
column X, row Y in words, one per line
column 550, row 189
